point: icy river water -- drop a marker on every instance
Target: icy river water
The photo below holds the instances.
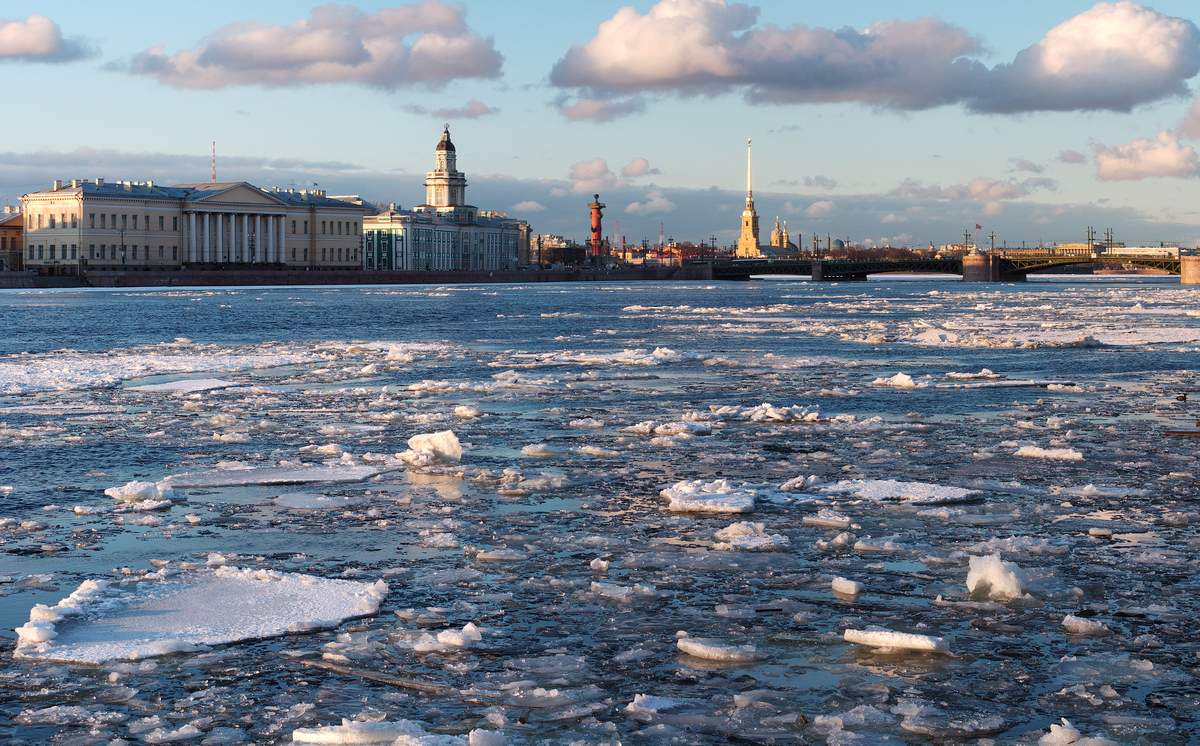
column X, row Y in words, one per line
column 767, row 512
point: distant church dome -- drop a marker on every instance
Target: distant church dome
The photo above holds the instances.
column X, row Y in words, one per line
column 444, row 143
column 839, row 243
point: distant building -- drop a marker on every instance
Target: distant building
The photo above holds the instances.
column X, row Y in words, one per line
column 747, row 243
column 12, row 228
column 132, row 225
column 550, row 248
column 444, row 233
column 780, row 240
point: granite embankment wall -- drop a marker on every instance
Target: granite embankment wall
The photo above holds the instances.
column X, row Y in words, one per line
column 203, row 278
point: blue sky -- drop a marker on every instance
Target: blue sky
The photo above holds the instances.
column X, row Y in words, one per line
column 355, row 136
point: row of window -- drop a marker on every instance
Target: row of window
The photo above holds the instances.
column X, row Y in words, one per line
column 131, row 222
column 330, row 227
column 134, row 253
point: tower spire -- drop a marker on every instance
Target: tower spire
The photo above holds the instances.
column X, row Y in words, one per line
column 749, row 173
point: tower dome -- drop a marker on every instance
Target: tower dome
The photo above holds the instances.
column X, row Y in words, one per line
column 444, row 143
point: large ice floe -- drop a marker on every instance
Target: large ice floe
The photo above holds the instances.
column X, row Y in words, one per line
column 102, row 621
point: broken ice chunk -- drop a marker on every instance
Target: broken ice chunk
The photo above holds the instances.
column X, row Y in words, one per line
column 431, row 448
column 995, row 578
column 748, row 537
column 1084, row 627
column 717, row 496
column 885, row 639
column 1052, row 454
column 715, row 650
column 132, row 492
column 846, row 587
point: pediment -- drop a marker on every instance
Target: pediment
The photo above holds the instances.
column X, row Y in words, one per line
column 240, row 194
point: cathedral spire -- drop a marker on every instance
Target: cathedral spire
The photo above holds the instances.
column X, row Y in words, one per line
column 749, row 174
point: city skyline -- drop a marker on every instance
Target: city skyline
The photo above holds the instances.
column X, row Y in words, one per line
column 988, row 129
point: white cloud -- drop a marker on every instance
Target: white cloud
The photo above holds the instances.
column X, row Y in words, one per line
column 1113, row 56
column 473, row 109
column 638, row 167
column 892, row 218
column 38, row 39
column 655, row 203
column 422, row 43
column 820, row 209
column 1146, row 158
column 599, row 109
column 529, row 205
column 593, row 176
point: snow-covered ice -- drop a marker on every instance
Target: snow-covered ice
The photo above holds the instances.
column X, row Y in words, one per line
column 102, row 622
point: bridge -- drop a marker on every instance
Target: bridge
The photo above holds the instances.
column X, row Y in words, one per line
column 990, row 267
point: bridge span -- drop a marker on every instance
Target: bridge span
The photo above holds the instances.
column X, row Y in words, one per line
column 990, row 267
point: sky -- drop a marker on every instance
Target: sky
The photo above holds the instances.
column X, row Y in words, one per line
column 881, row 122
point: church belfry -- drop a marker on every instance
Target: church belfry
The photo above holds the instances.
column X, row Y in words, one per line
column 747, row 245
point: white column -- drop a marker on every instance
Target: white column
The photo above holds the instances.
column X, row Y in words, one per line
column 206, row 252
column 258, row 242
column 282, row 256
column 245, row 237
column 191, row 249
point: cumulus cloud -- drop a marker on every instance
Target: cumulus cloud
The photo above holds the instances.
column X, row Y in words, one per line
column 1072, row 157
column 655, row 203
column 638, row 167
column 592, row 175
column 425, row 43
column 473, row 109
column 585, row 109
column 38, row 39
column 529, row 205
column 1147, row 157
column 1113, row 56
column 820, row 209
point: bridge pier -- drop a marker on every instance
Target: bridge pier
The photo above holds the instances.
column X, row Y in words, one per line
column 818, row 270
column 1189, row 270
column 981, row 268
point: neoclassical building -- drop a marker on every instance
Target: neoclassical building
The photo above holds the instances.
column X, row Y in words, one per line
column 444, row 233
column 12, row 228
column 130, row 225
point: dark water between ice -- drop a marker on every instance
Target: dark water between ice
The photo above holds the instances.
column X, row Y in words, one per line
column 1093, row 369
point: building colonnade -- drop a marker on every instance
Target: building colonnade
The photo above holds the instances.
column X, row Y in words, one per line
column 235, row 237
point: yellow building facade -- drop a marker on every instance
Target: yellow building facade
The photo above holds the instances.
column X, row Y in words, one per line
column 81, row 225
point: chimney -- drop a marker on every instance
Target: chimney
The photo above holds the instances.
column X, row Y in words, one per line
column 57, row 184
column 99, row 182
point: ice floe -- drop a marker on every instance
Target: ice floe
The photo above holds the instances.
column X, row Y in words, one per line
column 179, row 613
column 715, row 496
